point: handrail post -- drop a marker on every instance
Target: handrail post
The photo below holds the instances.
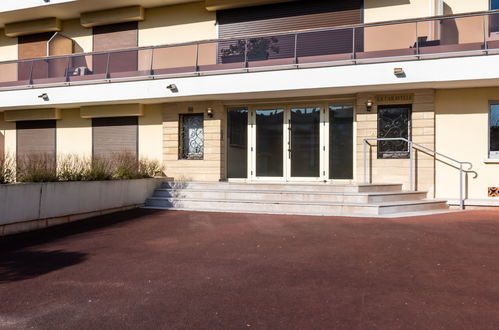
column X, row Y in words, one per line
column 417, row 39
column 485, row 34
column 365, row 161
column 461, row 190
column 353, row 43
column 197, row 57
column 411, row 170
column 107, row 65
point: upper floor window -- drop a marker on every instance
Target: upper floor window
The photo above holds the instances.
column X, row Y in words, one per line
column 494, row 131
column 494, row 4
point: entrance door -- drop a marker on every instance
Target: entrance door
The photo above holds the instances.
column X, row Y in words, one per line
column 287, row 143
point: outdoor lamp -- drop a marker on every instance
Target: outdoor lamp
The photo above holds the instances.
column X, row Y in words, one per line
column 209, row 112
column 44, row 96
column 369, row 105
column 173, row 88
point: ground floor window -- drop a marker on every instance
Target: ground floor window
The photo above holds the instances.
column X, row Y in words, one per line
column 394, row 121
column 494, row 131
column 237, row 143
column 36, row 143
column 115, row 135
column 191, row 136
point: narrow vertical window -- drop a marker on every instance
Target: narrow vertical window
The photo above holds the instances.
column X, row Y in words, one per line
column 494, row 131
column 341, row 142
column 191, row 136
column 237, row 143
column 394, row 121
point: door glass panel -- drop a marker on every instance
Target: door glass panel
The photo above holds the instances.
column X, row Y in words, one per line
column 237, row 140
column 269, row 142
column 341, row 142
column 305, row 142
column 393, row 122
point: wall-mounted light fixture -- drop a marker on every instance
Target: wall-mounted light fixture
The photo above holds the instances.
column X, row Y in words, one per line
column 399, row 72
column 173, row 88
column 369, row 105
column 44, row 96
column 209, row 112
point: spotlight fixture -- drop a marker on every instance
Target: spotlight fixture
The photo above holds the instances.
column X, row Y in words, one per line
column 44, row 96
column 173, row 88
column 209, row 112
column 369, row 105
column 399, row 72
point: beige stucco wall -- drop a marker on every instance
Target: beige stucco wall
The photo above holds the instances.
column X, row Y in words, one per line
column 8, row 47
column 8, row 135
column 397, row 170
column 212, row 167
column 82, row 36
column 388, row 10
column 74, row 134
column 151, row 132
column 462, row 133
column 177, row 24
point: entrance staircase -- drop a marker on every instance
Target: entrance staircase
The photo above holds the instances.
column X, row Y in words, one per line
column 305, row 199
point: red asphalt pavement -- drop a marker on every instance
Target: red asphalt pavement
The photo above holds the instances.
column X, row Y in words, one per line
column 147, row 269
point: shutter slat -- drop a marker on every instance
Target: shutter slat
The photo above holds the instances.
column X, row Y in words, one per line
column 115, row 136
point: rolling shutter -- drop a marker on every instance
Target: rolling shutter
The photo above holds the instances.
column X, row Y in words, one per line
column 114, row 37
column 114, row 135
column 36, row 138
column 278, row 18
column 292, row 16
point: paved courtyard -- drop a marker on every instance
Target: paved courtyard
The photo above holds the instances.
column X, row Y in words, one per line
column 147, row 269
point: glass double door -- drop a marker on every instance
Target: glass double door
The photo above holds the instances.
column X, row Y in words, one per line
column 287, row 143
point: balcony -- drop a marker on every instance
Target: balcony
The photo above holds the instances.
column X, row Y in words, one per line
column 449, row 36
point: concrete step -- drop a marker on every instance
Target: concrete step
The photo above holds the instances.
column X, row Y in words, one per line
column 315, row 187
column 295, row 207
column 278, row 195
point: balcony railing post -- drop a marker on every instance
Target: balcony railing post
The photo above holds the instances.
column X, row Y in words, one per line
column 66, row 78
column 296, row 49
column 485, row 34
column 151, row 65
column 353, row 43
column 107, row 65
column 245, row 53
column 197, row 57
column 417, row 39
column 30, row 79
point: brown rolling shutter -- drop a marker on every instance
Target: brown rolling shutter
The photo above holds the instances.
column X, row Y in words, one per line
column 292, row 16
column 33, row 46
column 115, row 135
column 114, row 37
column 37, row 137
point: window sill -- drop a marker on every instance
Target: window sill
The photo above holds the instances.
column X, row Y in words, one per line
column 491, row 161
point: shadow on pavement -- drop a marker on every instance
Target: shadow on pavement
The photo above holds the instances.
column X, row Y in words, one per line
column 22, row 265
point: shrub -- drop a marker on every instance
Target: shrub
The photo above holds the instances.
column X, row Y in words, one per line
column 7, row 170
column 36, row 168
column 42, row 168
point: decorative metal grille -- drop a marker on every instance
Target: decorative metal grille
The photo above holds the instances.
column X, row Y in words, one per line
column 493, row 191
column 191, row 137
column 394, row 122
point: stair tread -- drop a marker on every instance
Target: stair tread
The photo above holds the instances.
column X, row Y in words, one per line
column 380, row 204
column 320, row 214
column 381, row 193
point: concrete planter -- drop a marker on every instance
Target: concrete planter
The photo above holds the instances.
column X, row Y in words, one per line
column 59, row 202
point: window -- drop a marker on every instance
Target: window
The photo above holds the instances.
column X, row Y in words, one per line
column 36, row 144
column 115, row 136
column 191, row 136
column 494, row 4
column 394, row 121
column 494, row 131
column 341, row 142
column 237, row 143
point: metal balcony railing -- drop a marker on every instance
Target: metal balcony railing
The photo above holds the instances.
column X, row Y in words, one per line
column 444, row 36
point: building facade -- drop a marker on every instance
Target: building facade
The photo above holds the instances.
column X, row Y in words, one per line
column 256, row 90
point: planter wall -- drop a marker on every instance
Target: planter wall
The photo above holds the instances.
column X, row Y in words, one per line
column 34, row 201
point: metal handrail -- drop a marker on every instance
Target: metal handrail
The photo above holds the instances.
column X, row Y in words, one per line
column 411, row 146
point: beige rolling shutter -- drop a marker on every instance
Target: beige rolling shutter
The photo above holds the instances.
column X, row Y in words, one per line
column 115, row 135
column 36, row 138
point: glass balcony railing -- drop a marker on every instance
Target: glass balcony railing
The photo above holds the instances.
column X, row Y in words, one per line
column 447, row 36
